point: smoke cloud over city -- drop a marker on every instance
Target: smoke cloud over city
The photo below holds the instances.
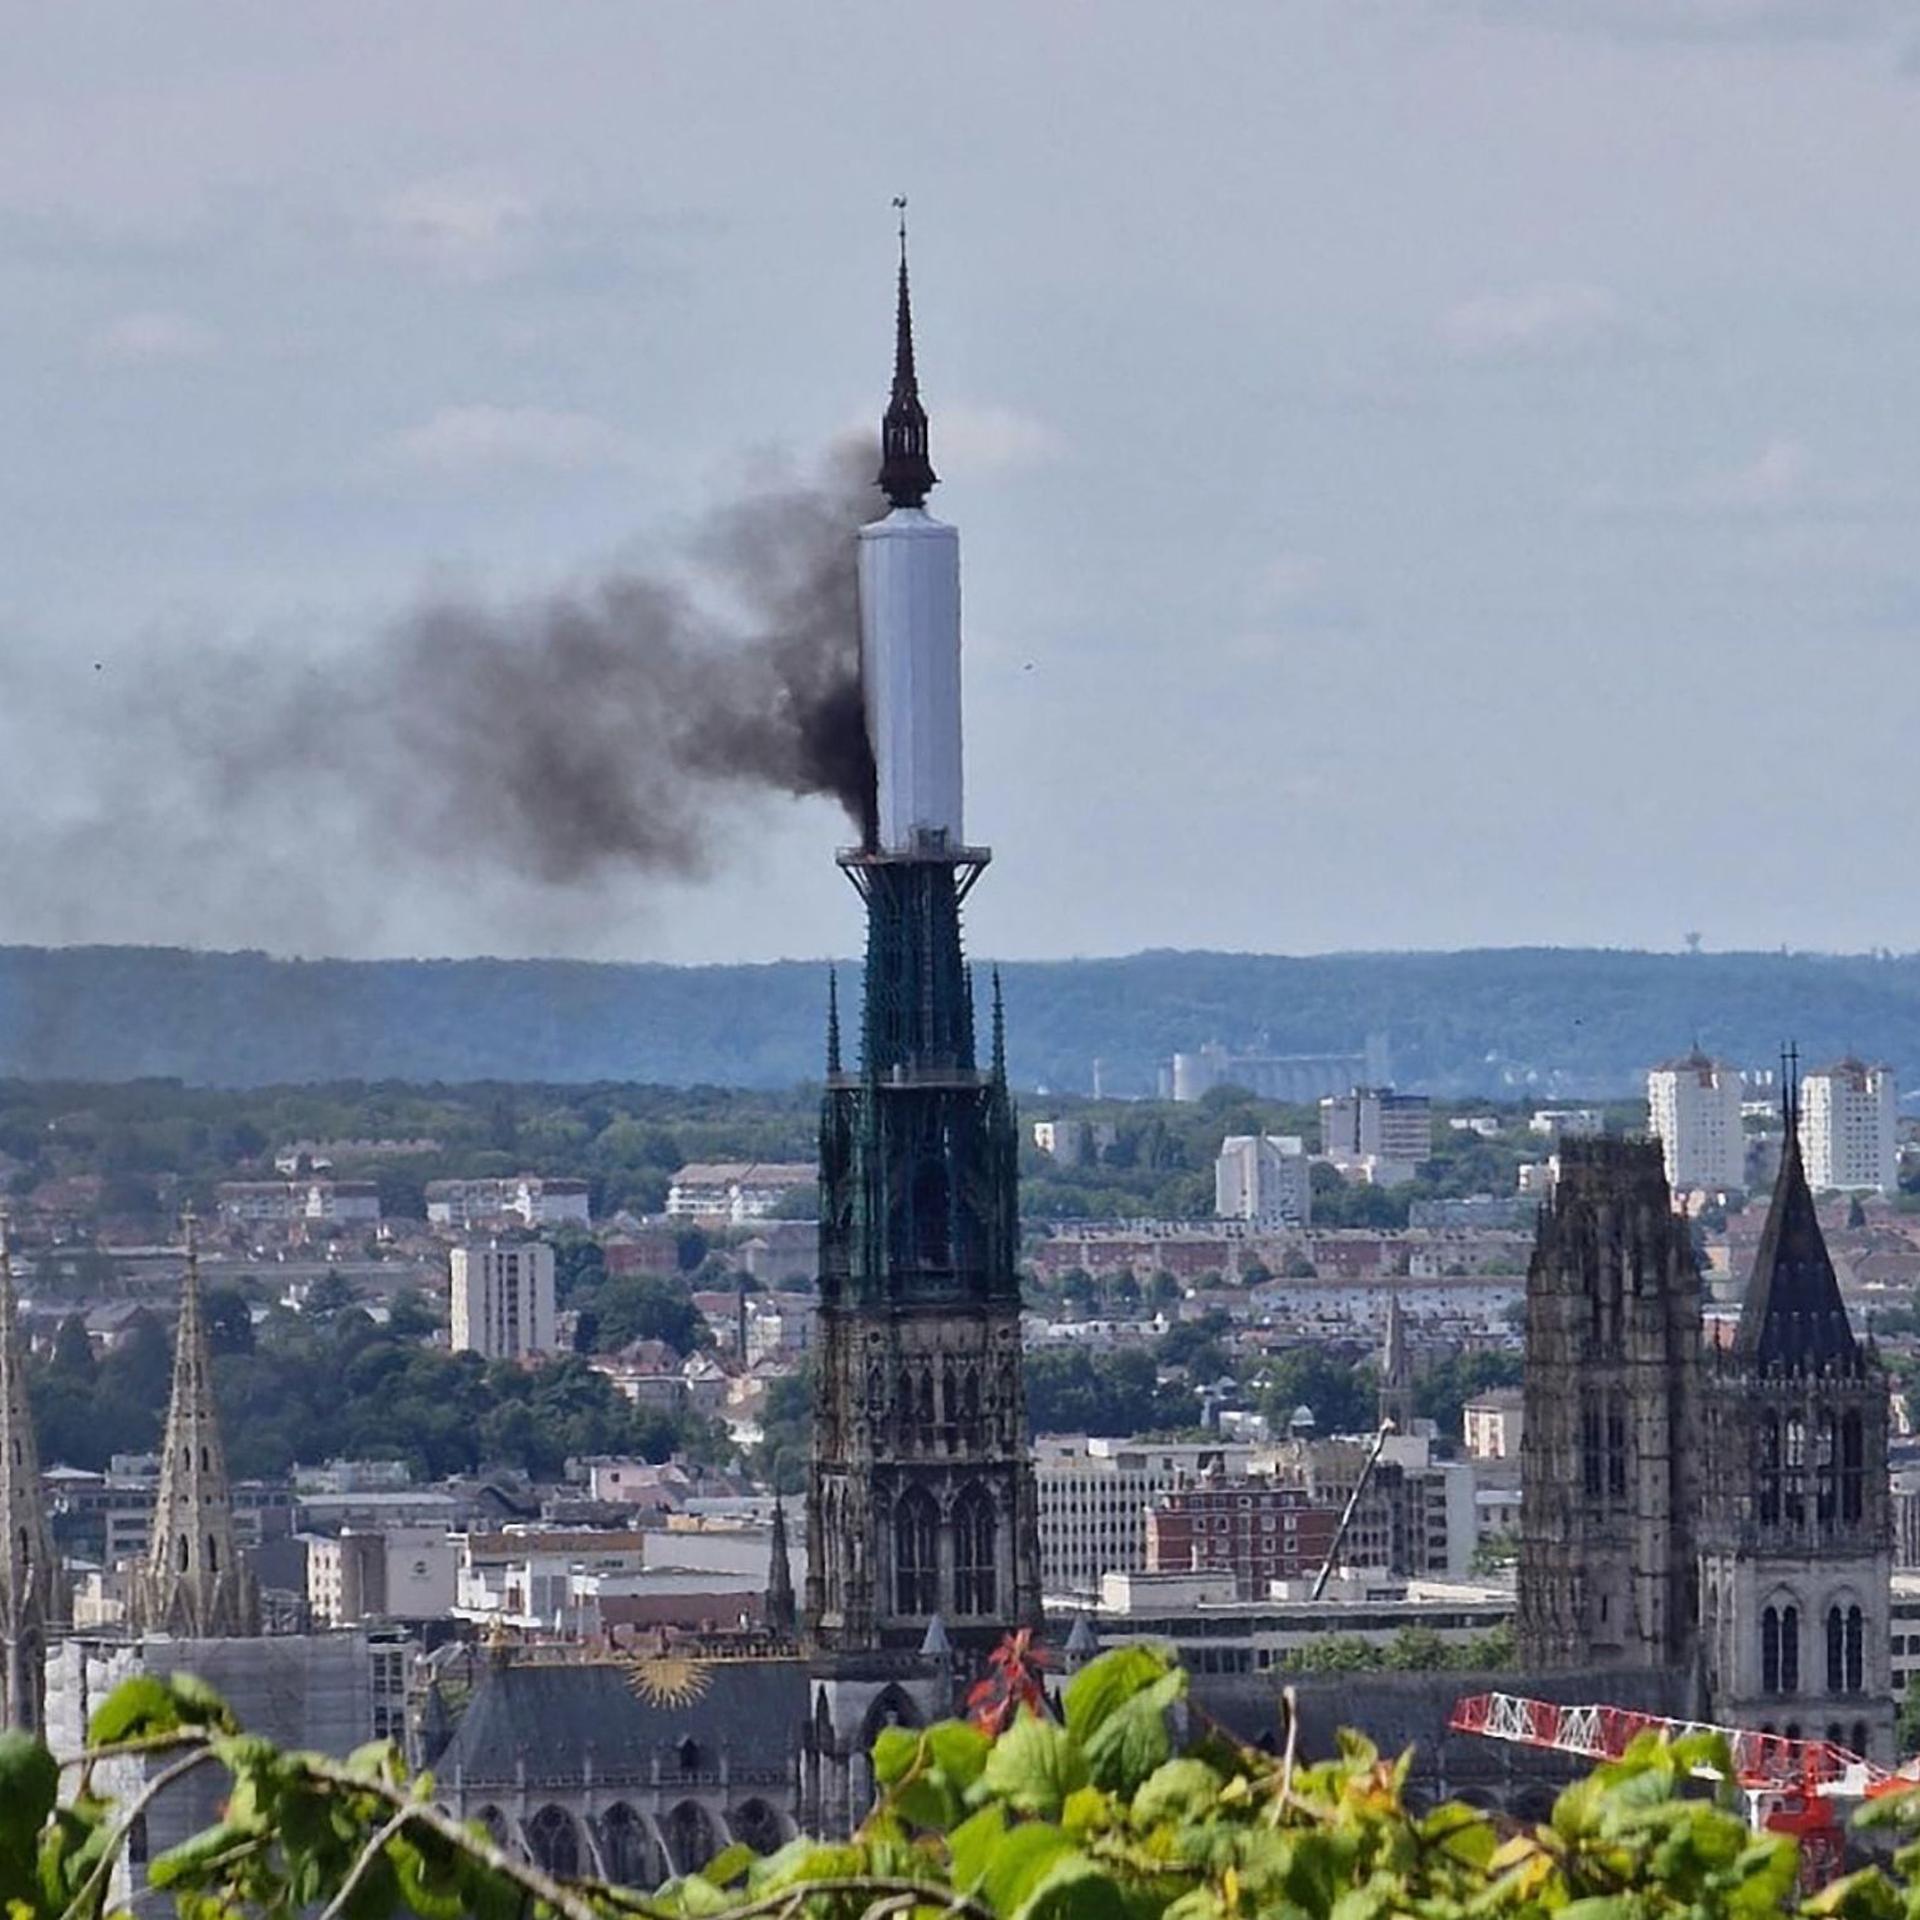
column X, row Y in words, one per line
column 607, row 725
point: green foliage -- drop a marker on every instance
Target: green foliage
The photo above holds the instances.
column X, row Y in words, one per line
column 1071, row 1391
column 1092, row 1816
column 316, row 1385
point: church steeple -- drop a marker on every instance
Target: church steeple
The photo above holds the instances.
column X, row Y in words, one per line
column 1396, row 1371
column 906, row 473
column 193, row 1584
column 32, row 1592
column 1793, row 1319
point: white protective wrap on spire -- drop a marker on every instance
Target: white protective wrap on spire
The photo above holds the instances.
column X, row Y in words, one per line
column 910, row 670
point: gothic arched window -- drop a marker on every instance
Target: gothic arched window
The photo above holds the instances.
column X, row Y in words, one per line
column 916, row 1567
column 976, row 1535
column 1617, row 1447
column 554, row 1841
column 1789, row 1649
column 1852, row 1467
column 624, row 1851
column 756, row 1823
column 688, row 1832
column 1770, row 1470
column 1770, row 1650
column 1856, row 1650
column 1836, row 1652
column 1590, row 1448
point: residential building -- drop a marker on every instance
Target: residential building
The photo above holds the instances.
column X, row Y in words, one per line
column 402, row 1573
column 503, row 1299
column 1257, row 1531
column 1567, row 1123
column 1095, row 1494
column 728, row 1193
column 287, row 1202
column 532, row 1198
column 1264, row 1178
column 1693, row 1108
column 1849, row 1132
column 1382, row 1136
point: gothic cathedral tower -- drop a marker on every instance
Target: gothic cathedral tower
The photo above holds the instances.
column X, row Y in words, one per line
column 1796, row 1563
column 1609, row 1481
column 922, row 1528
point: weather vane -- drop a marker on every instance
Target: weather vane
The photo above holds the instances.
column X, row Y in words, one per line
column 900, row 206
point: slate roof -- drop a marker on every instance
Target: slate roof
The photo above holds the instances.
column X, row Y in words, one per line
column 558, row 1722
column 1793, row 1319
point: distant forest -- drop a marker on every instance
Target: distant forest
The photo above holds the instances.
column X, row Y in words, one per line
column 1494, row 1021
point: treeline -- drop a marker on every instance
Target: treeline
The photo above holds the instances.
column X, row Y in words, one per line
column 1545, row 1019
column 329, row 1382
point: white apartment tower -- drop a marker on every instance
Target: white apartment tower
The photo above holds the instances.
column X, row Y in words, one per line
column 1848, row 1131
column 1263, row 1177
column 1693, row 1107
column 503, row 1299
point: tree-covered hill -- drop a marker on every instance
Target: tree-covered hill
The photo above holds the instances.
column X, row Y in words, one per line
column 1581, row 1020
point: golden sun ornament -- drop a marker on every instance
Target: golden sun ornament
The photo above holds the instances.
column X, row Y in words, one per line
column 668, row 1679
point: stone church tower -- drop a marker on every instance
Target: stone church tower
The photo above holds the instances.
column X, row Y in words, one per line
column 1796, row 1563
column 922, row 1522
column 194, row 1584
column 33, row 1592
column 1609, row 1450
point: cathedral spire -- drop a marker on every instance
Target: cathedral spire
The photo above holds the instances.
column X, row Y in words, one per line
column 193, row 1584
column 906, row 473
column 32, row 1594
column 1793, row 1319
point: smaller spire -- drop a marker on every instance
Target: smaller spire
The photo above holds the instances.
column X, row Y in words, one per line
column 833, row 1020
column 906, row 474
column 780, row 1607
column 999, row 1032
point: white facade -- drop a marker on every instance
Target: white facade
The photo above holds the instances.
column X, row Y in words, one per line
column 1265, row 1178
column 910, row 670
column 399, row 1573
column 503, row 1299
column 1849, row 1134
column 732, row 1192
column 1094, row 1495
column 539, row 1202
column 1375, row 1131
column 1693, row 1109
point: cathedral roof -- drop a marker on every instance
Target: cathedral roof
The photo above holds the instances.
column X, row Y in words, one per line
column 618, row 1719
column 1793, row 1319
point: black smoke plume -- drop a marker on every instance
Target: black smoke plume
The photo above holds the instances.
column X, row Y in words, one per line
column 607, row 726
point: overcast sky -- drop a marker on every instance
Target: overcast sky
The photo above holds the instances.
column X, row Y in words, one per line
column 1429, row 474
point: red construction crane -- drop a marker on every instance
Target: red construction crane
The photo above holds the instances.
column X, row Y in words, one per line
column 1791, row 1786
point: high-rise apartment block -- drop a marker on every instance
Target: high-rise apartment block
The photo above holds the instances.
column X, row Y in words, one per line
column 1848, row 1132
column 1382, row 1135
column 1693, row 1106
column 503, row 1299
column 1263, row 1177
